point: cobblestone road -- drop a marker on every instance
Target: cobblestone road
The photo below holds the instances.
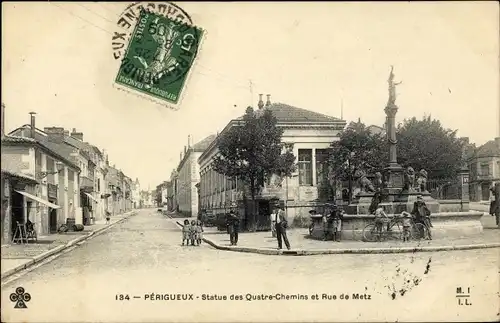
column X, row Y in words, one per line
column 143, row 255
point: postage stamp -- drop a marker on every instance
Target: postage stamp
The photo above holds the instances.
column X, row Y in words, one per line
column 159, row 56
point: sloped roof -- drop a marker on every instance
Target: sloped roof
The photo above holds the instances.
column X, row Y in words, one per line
column 17, row 175
column 489, row 149
column 17, row 139
column 285, row 113
column 60, row 150
column 202, row 145
column 374, row 129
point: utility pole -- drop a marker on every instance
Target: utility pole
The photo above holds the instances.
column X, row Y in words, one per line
column 251, row 92
column 341, row 109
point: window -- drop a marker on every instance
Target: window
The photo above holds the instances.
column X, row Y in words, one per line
column 305, row 166
column 321, row 166
column 485, row 169
column 98, row 184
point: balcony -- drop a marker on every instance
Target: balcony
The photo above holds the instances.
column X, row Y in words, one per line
column 86, row 184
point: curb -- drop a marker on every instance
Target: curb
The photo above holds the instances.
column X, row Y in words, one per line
column 61, row 248
column 301, row 252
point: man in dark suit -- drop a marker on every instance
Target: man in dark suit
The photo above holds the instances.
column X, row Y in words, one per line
column 495, row 204
column 234, row 225
column 422, row 214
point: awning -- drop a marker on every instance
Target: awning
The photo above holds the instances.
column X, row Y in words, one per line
column 39, row 200
column 91, row 197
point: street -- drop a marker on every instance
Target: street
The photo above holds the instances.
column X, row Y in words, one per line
column 143, row 255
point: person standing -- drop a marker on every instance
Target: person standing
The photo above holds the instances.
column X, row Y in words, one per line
column 326, row 219
column 422, row 214
column 234, row 226
column 281, row 226
column 338, row 216
column 495, row 204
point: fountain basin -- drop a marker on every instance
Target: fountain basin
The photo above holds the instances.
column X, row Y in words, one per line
column 446, row 224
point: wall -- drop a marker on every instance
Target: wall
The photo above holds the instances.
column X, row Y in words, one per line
column 19, row 159
column 188, row 177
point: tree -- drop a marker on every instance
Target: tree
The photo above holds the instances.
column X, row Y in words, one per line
column 426, row 144
column 252, row 151
column 357, row 149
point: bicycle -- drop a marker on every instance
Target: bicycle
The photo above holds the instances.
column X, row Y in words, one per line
column 420, row 230
column 383, row 229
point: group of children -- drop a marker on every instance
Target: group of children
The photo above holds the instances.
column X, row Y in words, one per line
column 192, row 232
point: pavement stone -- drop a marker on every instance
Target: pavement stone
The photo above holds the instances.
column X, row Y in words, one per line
column 16, row 257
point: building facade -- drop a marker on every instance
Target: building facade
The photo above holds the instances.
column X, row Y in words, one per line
column 484, row 170
column 308, row 135
column 188, row 175
column 47, row 201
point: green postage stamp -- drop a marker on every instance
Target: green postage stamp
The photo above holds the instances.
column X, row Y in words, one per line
column 159, row 57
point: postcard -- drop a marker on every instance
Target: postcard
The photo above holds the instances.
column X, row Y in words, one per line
column 250, row 162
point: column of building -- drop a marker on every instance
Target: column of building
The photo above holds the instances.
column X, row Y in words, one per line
column 42, row 226
column 68, row 209
column 313, row 167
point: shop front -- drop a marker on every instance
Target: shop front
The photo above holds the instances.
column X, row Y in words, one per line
column 52, row 218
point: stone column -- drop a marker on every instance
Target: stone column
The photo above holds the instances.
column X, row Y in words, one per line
column 464, row 189
column 42, row 224
column 313, row 160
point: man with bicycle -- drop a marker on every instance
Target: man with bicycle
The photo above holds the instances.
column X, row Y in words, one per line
column 422, row 214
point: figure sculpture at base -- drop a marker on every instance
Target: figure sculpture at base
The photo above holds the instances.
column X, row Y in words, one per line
column 365, row 185
column 409, row 179
column 422, row 181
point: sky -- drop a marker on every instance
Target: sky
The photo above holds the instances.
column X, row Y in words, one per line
column 57, row 60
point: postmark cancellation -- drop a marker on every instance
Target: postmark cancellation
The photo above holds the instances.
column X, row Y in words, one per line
column 159, row 57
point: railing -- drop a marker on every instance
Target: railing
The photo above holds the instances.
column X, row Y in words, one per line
column 444, row 189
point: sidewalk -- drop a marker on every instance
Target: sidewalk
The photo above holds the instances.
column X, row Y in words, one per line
column 16, row 257
column 301, row 244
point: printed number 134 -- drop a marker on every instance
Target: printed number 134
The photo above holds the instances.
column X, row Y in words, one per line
column 121, row 297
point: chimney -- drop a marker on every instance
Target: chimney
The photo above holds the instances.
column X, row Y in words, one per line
column 3, row 120
column 55, row 134
column 497, row 141
column 32, row 125
column 268, row 103
column 77, row 135
column 185, row 149
column 189, row 141
column 180, row 156
column 261, row 103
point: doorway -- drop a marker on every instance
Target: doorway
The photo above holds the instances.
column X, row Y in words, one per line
column 263, row 215
column 52, row 218
column 485, row 190
column 17, row 211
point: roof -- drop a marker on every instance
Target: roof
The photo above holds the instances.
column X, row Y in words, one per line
column 202, row 145
column 489, row 149
column 20, row 176
column 62, row 152
column 285, row 113
column 375, row 129
column 17, row 139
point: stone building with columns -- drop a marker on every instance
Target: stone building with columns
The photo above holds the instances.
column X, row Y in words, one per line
column 308, row 135
column 29, row 153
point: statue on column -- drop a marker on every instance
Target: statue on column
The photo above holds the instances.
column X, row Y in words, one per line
column 392, row 89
